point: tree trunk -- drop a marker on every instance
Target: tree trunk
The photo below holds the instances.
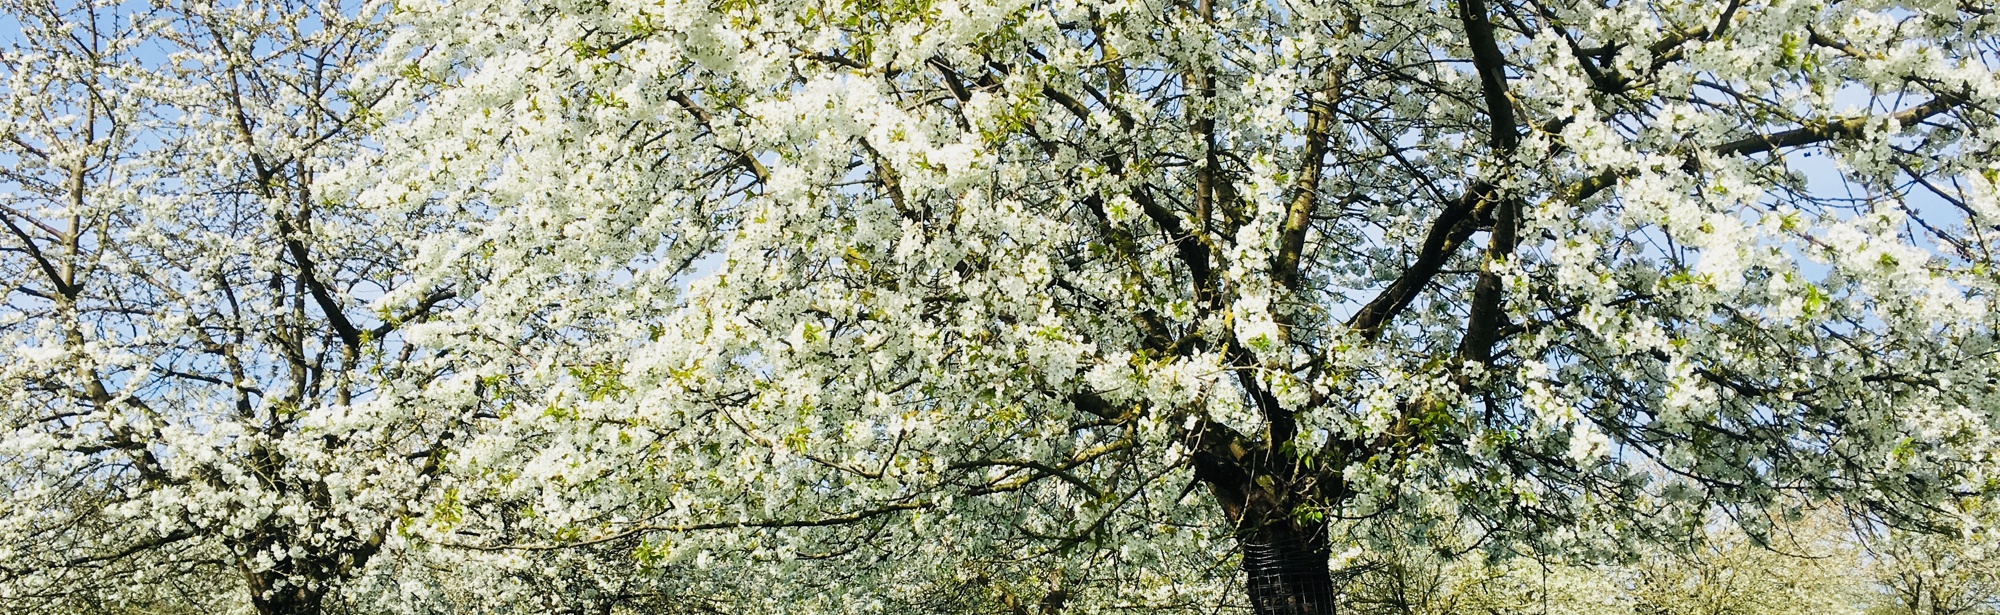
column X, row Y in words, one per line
column 299, row 584
column 292, row 599
column 1286, row 566
column 1285, row 558
column 292, row 585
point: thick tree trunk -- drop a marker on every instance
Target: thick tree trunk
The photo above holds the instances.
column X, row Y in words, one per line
column 1286, row 566
column 292, row 599
column 299, row 584
column 1285, row 558
column 294, row 585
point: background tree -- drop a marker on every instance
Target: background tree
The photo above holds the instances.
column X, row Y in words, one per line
column 203, row 410
column 1814, row 563
column 1921, row 573
column 1099, row 284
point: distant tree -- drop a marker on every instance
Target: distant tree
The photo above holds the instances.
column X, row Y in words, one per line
column 1919, row 574
column 1813, row 563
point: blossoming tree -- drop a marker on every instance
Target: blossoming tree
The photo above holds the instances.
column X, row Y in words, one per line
column 1058, row 305
column 1066, row 286
column 201, row 411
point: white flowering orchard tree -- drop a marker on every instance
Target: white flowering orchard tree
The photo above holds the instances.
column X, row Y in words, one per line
column 1087, row 296
column 202, row 410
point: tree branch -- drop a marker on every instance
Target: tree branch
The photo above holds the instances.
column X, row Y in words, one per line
column 1817, row 132
column 1483, row 323
column 1312, row 165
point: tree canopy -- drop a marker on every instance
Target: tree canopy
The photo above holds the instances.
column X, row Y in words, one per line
column 1091, row 305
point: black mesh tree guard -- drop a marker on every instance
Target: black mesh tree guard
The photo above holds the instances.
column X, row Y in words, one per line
column 1287, row 571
